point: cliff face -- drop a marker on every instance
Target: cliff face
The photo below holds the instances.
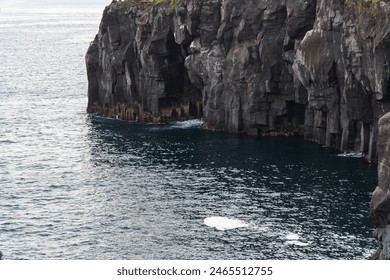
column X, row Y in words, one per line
column 380, row 204
column 241, row 58
column 136, row 69
column 261, row 67
column 343, row 63
column 315, row 68
column 230, row 61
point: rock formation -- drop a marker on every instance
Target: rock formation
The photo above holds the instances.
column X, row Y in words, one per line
column 380, row 204
column 261, row 67
column 318, row 68
column 136, row 69
column 343, row 63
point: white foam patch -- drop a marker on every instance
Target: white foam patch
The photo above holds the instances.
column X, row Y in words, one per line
column 293, row 239
column 187, row 124
column 297, row 243
column 292, row 236
column 351, row 155
column 178, row 125
column 223, row 223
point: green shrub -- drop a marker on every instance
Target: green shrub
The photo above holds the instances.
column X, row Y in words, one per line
column 362, row 7
column 172, row 3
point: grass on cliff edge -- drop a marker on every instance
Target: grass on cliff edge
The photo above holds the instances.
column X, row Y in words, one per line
column 172, row 3
column 363, row 7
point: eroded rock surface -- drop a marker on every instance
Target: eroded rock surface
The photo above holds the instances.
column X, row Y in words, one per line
column 230, row 61
column 261, row 67
column 380, row 203
column 136, row 69
column 243, row 62
column 318, row 68
column 343, row 63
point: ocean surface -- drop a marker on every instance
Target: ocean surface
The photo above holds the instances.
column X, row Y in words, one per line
column 77, row 186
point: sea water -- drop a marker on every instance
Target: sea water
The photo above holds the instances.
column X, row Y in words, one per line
column 78, row 186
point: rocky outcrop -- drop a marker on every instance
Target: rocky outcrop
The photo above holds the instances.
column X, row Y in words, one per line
column 343, row 63
column 136, row 69
column 230, row 61
column 318, row 68
column 380, row 204
column 242, row 62
column 269, row 67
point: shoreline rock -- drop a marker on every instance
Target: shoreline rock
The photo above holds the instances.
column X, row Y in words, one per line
column 136, row 70
column 313, row 68
column 316, row 68
column 380, row 203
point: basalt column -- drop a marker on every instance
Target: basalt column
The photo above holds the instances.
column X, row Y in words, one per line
column 136, row 69
column 380, row 204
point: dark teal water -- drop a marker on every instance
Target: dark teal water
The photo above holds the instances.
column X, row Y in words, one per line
column 75, row 186
column 300, row 201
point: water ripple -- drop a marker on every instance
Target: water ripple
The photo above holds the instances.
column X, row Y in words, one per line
column 75, row 186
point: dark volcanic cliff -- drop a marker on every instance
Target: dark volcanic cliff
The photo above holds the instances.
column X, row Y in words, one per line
column 136, row 69
column 318, row 68
column 343, row 63
column 380, row 203
column 315, row 68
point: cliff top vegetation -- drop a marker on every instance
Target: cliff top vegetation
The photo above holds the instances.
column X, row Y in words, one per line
column 172, row 3
column 353, row 7
column 358, row 8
